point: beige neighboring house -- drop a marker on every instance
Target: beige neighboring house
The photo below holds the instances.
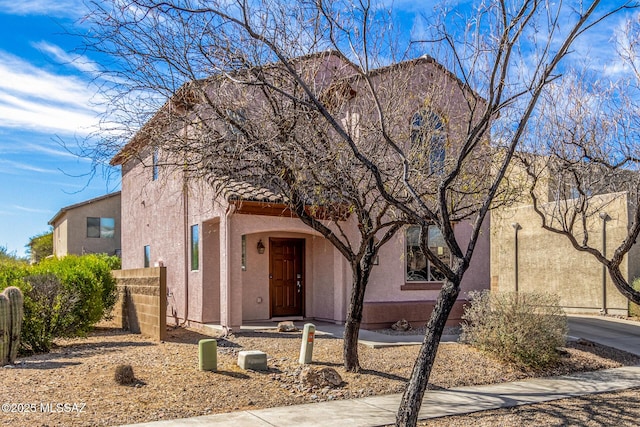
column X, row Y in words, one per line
column 92, row 226
column 527, row 258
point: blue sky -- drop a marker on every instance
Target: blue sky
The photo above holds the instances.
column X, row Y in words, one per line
column 46, row 98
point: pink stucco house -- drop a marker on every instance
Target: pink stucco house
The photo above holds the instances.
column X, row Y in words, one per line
column 241, row 256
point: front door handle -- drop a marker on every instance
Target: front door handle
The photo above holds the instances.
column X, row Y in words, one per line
column 299, row 285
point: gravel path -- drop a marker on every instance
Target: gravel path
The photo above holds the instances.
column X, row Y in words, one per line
column 80, row 374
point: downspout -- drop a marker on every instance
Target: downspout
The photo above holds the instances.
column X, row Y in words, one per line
column 605, row 218
column 516, row 227
column 227, row 248
column 185, row 233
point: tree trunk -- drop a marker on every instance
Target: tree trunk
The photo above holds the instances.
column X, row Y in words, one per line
column 354, row 317
column 412, row 398
column 622, row 285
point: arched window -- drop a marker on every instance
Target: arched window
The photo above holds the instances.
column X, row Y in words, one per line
column 427, row 131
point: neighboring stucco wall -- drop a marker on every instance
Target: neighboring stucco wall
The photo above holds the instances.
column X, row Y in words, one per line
column 70, row 229
column 141, row 306
column 60, row 247
column 548, row 262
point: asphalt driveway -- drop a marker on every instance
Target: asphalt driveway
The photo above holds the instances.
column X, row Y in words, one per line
column 620, row 334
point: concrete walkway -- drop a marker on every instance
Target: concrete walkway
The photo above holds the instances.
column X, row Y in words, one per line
column 381, row 410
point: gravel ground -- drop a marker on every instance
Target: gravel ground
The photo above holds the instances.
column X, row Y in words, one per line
column 620, row 409
column 80, row 374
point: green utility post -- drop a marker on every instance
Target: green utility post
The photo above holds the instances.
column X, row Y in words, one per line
column 306, row 348
column 208, row 355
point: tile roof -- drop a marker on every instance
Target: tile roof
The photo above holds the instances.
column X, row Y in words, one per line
column 241, row 190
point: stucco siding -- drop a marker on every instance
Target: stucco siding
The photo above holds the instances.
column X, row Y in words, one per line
column 547, row 262
column 70, row 227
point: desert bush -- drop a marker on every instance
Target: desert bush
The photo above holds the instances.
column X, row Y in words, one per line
column 49, row 312
column 525, row 329
column 62, row 297
column 124, row 375
column 89, row 277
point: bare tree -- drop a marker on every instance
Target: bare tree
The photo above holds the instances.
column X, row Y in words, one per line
column 497, row 66
column 234, row 116
column 584, row 160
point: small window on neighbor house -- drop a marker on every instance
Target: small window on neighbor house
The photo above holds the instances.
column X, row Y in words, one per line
column 195, row 252
column 147, row 256
column 107, row 228
column 428, row 132
column 419, row 269
column 155, row 164
column 104, row 228
column 93, row 227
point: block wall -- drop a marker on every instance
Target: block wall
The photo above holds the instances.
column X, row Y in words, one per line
column 142, row 301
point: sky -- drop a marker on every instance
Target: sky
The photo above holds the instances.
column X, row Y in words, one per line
column 47, row 105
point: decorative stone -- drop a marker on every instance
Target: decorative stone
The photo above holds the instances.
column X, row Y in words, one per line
column 401, row 325
column 253, row 359
column 287, row 326
column 325, row 377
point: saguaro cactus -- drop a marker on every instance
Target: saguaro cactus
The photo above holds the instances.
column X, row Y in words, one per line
column 5, row 326
column 11, row 314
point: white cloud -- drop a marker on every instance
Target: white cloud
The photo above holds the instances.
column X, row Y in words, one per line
column 30, row 210
column 24, row 167
column 56, row 8
column 79, row 62
column 35, row 99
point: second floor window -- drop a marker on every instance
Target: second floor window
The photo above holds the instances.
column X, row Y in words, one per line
column 428, row 133
column 155, row 166
column 104, row 228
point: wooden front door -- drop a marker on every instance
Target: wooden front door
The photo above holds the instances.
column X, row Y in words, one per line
column 286, row 277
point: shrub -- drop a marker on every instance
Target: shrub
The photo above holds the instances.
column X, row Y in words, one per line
column 521, row 328
column 89, row 277
column 49, row 312
column 124, row 375
column 63, row 297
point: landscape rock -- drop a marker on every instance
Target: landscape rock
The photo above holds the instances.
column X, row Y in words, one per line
column 325, row 377
column 401, row 325
column 287, row 326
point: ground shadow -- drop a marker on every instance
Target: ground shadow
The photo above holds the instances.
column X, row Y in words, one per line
column 233, row 374
column 43, row 365
column 188, row 336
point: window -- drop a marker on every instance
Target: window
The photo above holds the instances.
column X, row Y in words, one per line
column 155, row 166
column 104, row 228
column 419, row 269
column 237, row 120
column 244, row 252
column 147, row 256
column 195, row 239
column 427, row 131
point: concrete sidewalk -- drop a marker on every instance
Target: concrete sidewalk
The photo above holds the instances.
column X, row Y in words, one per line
column 381, row 410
